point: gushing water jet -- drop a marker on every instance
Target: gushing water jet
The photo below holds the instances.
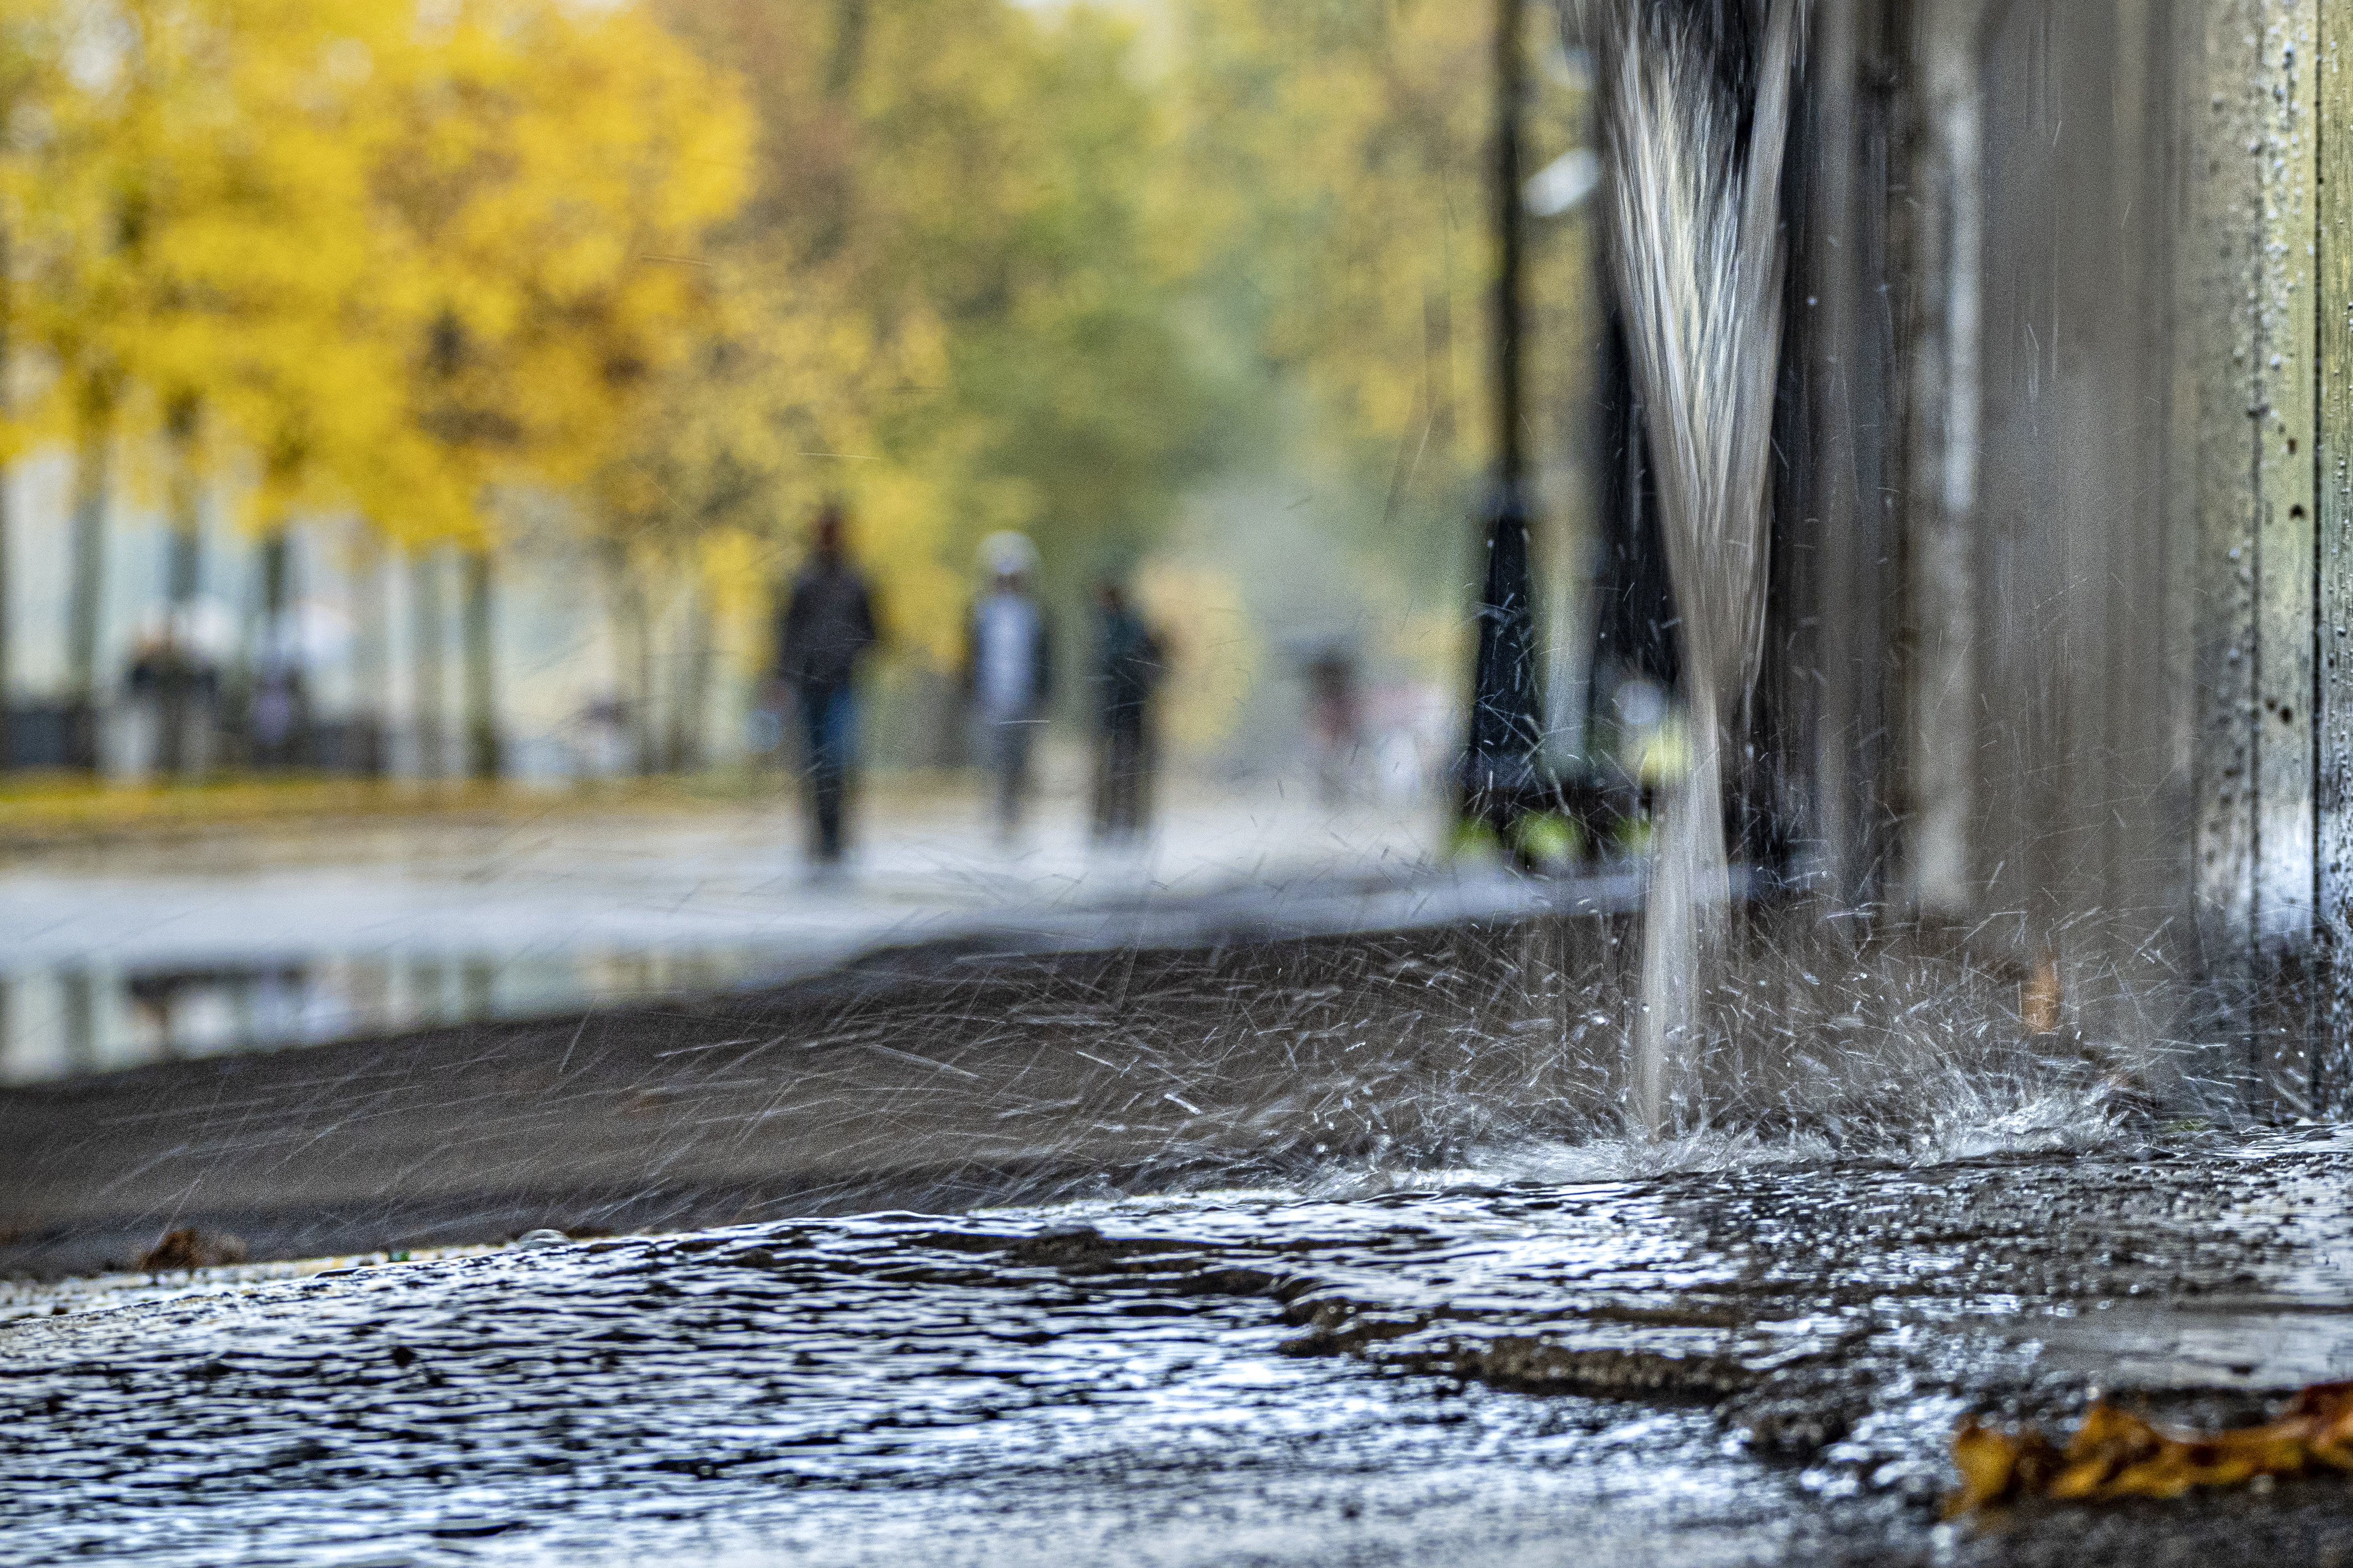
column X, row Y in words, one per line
column 1698, row 257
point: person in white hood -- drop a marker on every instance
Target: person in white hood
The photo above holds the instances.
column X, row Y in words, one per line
column 1008, row 671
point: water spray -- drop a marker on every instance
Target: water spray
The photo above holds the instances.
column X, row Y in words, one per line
column 1699, row 260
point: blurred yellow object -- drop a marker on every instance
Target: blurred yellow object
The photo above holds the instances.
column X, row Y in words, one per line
column 2116, row 1454
column 1214, row 653
column 42, row 811
column 1546, row 840
column 1663, row 755
column 357, row 257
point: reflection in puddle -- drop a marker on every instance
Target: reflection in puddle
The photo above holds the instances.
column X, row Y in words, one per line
column 65, row 1022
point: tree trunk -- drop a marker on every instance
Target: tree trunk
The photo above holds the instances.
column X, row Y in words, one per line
column 625, row 599
column 702, row 657
column 482, row 675
column 86, row 601
column 277, row 711
column 7, row 622
column 674, row 729
column 644, row 729
column 425, row 610
column 176, row 691
column 371, row 667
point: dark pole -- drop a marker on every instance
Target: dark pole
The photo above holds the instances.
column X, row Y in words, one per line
column 177, row 680
column 86, row 603
column 275, row 719
column 1511, row 91
column 482, row 691
column 1499, row 772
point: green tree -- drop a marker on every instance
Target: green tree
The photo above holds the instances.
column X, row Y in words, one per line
column 959, row 192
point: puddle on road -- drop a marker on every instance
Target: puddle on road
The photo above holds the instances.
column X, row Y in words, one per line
column 61, row 1023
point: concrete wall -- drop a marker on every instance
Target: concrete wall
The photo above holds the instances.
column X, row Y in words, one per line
column 2058, row 582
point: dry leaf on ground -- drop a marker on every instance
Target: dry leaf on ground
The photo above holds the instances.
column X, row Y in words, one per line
column 2115, row 1454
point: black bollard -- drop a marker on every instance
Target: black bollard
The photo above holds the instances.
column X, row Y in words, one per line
column 1499, row 777
column 1499, row 772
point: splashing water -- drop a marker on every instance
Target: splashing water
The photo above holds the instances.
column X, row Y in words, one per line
column 1699, row 260
column 1476, row 1055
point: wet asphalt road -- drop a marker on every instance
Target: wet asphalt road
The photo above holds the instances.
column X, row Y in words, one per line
column 1760, row 1363
column 1454, row 1320
column 932, row 1078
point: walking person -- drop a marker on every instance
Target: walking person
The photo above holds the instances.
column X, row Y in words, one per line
column 279, row 707
column 1008, row 672
column 1129, row 663
column 828, row 623
column 1335, row 720
column 172, row 690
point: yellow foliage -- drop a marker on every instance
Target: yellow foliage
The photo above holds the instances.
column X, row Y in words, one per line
column 551, row 172
column 899, row 531
column 374, row 260
column 698, row 265
column 1333, row 155
column 189, row 210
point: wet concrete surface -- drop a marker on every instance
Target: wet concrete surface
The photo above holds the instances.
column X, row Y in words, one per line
column 953, row 1075
column 939, row 1077
column 114, row 955
column 1756, row 1364
column 1279, row 1249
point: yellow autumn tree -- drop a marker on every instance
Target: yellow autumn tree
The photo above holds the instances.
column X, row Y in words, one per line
column 188, row 216
column 378, row 255
column 544, row 190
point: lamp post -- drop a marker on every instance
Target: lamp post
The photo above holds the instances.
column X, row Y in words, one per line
column 1499, row 773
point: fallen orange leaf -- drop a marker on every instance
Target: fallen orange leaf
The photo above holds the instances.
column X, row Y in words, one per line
column 2115, row 1454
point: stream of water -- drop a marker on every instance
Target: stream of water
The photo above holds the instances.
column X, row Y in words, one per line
column 1699, row 254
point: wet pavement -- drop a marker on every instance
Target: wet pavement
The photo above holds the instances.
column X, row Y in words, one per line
column 1755, row 1362
column 123, row 954
column 1273, row 1249
column 955, row 1075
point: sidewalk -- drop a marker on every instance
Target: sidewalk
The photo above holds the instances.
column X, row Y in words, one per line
column 285, row 935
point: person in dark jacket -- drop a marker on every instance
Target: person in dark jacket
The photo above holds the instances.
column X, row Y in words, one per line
column 1008, row 672
column 827, row 625
column 1128, row 666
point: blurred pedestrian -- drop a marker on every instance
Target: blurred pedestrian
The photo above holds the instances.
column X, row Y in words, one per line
column 1129, row 662
column 1008, row 671
column 172, row 689
column 828, row 623
column 277, row 704
column 1335, row 719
